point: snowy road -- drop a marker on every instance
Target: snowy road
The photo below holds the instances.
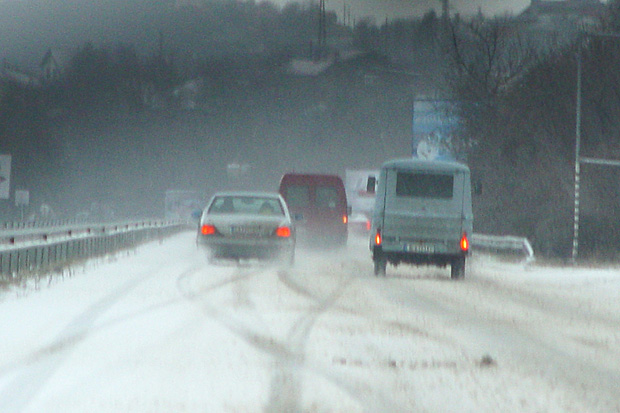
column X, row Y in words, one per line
column 160, row 330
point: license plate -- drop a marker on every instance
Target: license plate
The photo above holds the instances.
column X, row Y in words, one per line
column 420, row 247
column 245, row 230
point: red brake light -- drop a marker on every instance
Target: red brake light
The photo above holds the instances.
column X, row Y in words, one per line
column 283, row 232
column 345, row 219
column 207, row 229
column 464, row 242
column 378, row 239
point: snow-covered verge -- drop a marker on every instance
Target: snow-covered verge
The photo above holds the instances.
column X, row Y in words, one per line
column 161, row 330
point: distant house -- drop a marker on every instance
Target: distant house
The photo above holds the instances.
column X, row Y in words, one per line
column 54, row 64
column 10, row 73
column 562, row 16
column 309, row 67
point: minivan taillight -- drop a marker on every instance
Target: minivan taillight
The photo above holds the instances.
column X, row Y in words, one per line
column 283, row 232
column 345, row 219
column 207, row 229
column 464, row 242
column 378, row 239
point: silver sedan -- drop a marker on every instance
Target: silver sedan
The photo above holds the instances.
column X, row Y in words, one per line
column 245, row 225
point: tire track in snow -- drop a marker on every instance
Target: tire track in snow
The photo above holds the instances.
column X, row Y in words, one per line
column 284, row 394
column 286, row 385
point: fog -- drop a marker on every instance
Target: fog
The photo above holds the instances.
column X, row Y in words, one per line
column 29, row 27
column 155, row 97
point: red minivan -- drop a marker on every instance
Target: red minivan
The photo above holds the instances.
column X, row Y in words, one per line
column 318, row 205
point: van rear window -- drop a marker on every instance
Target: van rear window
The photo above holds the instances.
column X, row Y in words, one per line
column 297, row 196
column 326, row 197
column 424, row 185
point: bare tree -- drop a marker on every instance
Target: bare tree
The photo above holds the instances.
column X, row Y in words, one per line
column 487, row 57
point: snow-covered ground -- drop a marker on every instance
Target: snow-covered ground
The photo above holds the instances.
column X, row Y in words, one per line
column 160, row 330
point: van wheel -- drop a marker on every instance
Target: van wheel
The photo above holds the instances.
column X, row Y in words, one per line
column 380, row 266
column 457, row 268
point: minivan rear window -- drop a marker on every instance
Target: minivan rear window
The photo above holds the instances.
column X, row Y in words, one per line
column 298, row 196
column 424, row 185
column 326, row 197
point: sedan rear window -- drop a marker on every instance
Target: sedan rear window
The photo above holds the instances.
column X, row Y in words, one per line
column 424, row 185
column 246, row 205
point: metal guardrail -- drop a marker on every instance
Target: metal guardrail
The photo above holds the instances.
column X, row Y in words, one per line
column 46, row 248
column 39, row 223
column 503, row 243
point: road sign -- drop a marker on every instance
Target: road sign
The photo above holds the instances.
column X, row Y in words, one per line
column 5, row 176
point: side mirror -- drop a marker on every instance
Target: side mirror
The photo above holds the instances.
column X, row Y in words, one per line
column 371, row 184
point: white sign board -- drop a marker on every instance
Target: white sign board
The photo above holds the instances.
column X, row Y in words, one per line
column 5, row 176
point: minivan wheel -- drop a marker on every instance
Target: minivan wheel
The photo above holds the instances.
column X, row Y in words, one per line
column 380, row 266
column 457, row 270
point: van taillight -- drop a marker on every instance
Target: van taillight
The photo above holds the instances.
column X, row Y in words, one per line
column 378, row 239
column 207, row 229
column 464, row 242
column 283, row 232
column 345, row 219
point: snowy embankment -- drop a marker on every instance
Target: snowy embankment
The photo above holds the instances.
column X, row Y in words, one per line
column 160, row 330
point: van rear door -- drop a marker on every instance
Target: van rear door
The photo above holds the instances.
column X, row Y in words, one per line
column 318, row 204
column 424, row 208
column 298, row 198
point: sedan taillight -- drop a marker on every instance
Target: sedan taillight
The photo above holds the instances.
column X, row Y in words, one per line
column 207, row 229
column 283, row 232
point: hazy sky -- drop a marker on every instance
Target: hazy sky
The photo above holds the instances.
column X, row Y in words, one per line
column 380, row 9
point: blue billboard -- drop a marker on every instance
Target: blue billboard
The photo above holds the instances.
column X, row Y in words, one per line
column 434, row 126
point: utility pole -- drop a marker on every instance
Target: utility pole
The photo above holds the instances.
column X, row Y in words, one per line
column 322, row 28
column 575, row 250
column 583, row 39
column 445, row 10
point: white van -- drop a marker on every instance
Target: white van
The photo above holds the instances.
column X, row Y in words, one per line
column 422, row 215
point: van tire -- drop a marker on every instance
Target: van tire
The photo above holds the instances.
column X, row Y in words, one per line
column 457, row 268
column 380, row 266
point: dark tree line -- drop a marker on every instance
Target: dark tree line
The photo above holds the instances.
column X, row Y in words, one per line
column 517, row 91
column 523, row 126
